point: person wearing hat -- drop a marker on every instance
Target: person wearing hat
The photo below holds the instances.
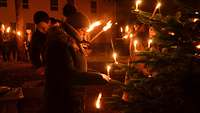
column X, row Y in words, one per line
column 37, row 43
column 66, row 66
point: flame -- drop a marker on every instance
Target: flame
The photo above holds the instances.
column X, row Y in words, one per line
column 93, row 25
column 131, row 35
column 198, row 46
column 158, row 5
column 115, row 57
column 195, row 20
column 121, row 29
column 135, row 45
column 149, row 43
column 108, row 70
column 18, row 33
column 8, row 30
column 137, row 4
column 125, row 36
column 3, row 27
column 127, row 28
column 98, row 101
column 108, row 26
column 171, row 33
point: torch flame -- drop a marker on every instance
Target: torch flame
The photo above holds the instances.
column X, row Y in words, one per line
column 98, row 104
column 93, row 25
column 108, row 26
column 8, row 30
column 158, row 5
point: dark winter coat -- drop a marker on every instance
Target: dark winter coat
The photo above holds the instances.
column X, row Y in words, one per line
column 37, row 46
column 63, row 73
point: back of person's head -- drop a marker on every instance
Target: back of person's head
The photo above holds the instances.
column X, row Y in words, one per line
column 69, row 9
column 40, row 16
column 78, row 20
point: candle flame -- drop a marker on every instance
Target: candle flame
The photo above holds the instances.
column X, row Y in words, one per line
column 115, row 57
column 131, row 35
column 125, row 36
column 3, row 27
column 108, row 70
column 137, row 4
column 158, row 5
column 198, row 46
column 93, row 25
column 121, row 29
column 149, row 43
column 18, row 33
column 8, row 30
column 98, row 101
column 127, row 28
column 108, row 26
column 195, row 20
column 135, row 45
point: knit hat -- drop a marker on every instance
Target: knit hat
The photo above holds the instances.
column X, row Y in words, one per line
column 78, row 20
column 40, row 16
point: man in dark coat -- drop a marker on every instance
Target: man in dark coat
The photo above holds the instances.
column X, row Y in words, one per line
column 66, row 68
column 37, row 43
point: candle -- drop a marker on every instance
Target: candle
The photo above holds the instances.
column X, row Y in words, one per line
column 108, row 70
column 157, row 6
column 121, row 29
column 137, row 4
column 149, row 43
column 3, row 28
column 98, row 101
column 115, row 57
column 135, row 45
column 127, row 29
column 18, row 33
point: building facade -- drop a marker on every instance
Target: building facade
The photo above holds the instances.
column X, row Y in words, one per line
column 94, row 9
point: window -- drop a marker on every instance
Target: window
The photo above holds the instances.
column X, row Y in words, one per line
column 25, row 4
column 3, row 3
column 94, row 6
column 54, row 5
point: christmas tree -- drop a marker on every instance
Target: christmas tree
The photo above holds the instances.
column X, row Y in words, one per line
column 162, row 73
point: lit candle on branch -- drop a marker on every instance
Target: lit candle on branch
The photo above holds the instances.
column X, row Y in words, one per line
column 3, row 28
column 98, row 101
column 115, row 57
column 137, row 3
column 8, row 30
column 108, row 70
column 127, row 29
column 156, row 8
column 149, row 43
column 93, row 25
column 121, row 29
column 135, row 45
column 105, row 28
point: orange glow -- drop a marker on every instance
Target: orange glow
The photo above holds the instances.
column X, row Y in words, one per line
column 93, row 25
column 135, row 45
column 158, row 5
column 125, row 37
column 3, row 27
column 8, row 30
column 121, row 29
column 107, row 26
column 131, row 35
column 127, row 28
column 98, row 101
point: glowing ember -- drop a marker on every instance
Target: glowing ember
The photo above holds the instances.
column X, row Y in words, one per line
column 93, row 25
column 108, row 26
column 98, row 101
